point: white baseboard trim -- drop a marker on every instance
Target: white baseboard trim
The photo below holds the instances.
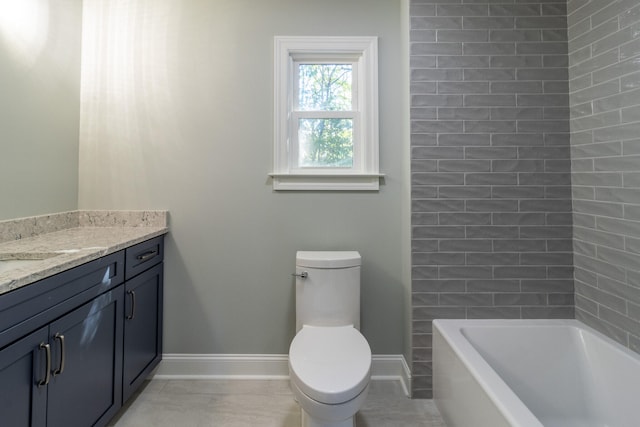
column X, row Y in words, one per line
column 214, row 366
column 391, row 367
column 264, row 367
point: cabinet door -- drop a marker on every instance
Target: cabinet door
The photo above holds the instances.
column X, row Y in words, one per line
column 22, row 368
column 142, row 328
column 86, row 384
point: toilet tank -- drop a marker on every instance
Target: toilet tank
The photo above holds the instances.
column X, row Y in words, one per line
column 329, row 295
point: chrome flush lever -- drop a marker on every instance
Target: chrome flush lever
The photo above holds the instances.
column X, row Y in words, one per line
column 302, row 275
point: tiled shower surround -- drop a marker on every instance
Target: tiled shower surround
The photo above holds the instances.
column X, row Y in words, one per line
column 604, row 55
column 493, row 219
column 491, row 170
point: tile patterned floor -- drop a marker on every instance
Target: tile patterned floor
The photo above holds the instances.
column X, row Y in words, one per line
column 266, row 403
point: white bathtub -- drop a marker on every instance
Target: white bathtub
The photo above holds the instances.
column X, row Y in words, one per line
column 533, row 373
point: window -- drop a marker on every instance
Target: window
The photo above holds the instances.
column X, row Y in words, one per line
column 326, row 114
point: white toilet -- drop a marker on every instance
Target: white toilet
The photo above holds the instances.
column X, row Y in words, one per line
column 329, row 359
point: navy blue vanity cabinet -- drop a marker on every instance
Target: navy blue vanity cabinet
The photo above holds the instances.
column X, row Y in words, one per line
column 77, row 344
column 61, row 348
column 143, row 312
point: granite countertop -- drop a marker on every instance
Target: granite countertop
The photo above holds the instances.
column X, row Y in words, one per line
column 70, row 239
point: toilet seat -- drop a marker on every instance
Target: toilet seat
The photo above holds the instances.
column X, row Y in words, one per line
column 331, row 365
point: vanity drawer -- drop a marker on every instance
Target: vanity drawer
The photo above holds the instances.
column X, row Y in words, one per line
column 142, row 256
column 30, row 307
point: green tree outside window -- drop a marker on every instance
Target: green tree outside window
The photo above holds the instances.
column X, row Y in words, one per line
column 325, row 142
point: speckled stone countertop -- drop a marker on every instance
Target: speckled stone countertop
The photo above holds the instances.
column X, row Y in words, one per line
column 62, row 241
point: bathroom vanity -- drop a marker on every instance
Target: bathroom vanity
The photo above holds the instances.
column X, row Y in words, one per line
column 76, row 344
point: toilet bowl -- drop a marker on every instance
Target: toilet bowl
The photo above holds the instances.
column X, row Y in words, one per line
column 329, row 359
column 330, row 368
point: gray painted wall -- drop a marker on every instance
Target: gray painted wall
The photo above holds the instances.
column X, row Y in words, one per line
column 605, row 123
column 177, row 114
column 39, row 106
column 490, row 168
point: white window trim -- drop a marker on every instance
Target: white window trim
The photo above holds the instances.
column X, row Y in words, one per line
column 365, row 174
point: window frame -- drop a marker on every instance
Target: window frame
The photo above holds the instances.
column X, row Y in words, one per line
column 362, row 53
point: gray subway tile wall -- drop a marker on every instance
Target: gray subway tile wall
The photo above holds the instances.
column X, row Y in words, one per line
column 491, row 167
column 604, row 70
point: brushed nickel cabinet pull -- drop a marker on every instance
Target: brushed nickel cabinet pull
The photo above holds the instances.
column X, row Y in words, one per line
column 63, row 352
column 133, row 305
column 47, row 377
column 147, row 255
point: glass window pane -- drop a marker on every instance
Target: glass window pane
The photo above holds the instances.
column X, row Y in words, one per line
column 325, row 143
column 325, row 87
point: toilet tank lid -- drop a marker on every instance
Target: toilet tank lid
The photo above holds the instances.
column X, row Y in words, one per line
column 328, row 259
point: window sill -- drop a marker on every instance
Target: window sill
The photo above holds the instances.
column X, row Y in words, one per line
column 326, row 182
